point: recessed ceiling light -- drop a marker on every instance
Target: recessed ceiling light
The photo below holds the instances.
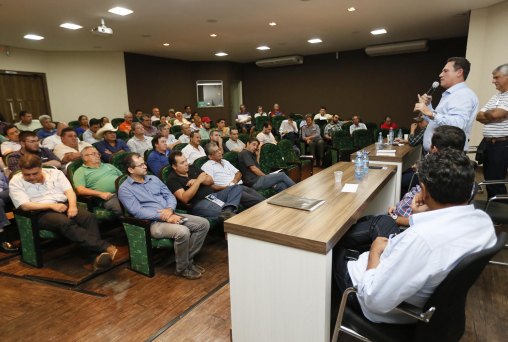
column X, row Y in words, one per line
column 263, row 47
column 315, row 41
column 221, row 54
column 120, row 11
column 165, row 44
column 272, row 23
column 213, row 35
column 351, row 9
column 71, row 26
column 378, row 31
column 33, row 37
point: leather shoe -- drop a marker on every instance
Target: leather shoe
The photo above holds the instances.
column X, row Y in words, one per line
column 102, row 261
column 197, row 268
column 8, row 247
column 189, row 273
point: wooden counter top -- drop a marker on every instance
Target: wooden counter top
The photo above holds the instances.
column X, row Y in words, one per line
column 317, row 231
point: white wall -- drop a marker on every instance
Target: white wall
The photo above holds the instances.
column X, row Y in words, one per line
column 90, row 83
column 486, row 49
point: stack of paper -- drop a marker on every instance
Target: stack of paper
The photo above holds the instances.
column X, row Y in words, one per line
column 385, row 152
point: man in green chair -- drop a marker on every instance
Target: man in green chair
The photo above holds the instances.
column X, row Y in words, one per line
column 50, row 195
column 147, row 198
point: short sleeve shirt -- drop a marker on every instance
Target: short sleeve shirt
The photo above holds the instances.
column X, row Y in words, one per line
column 247, row 159
column 177, row 182
column 100, row 178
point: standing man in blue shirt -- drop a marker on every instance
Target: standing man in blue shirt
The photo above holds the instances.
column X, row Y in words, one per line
column 158, row 158
column 458, row 105
column 147, row 198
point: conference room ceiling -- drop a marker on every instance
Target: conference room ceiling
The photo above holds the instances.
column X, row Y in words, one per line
column 240, row 25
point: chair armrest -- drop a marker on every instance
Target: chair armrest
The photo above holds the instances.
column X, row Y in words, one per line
column 413, row 311
column 27, row 214
column 137, row 222
column 490, row 182
column 304, row 157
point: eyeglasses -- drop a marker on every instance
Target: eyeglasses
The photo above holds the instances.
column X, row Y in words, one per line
column 92, row 154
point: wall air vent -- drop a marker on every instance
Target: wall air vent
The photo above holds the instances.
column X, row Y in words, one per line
column 397, row 48
column 279, row 61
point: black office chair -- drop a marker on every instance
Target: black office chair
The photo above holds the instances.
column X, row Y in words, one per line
column 443, row 318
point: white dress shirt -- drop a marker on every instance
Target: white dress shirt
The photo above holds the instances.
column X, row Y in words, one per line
column 222, row 173
column 236, row 146
column 192, row 153
column 140, row 145
column 51, row 142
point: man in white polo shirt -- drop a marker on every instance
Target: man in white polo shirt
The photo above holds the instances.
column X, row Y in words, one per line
column 194, row 150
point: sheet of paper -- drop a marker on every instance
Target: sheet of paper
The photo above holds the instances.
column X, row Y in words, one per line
column 348, row 187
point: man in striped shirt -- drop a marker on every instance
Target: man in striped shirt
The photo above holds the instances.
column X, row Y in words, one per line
column 495, row 117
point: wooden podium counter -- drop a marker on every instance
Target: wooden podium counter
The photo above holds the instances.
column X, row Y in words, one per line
column 280, row 259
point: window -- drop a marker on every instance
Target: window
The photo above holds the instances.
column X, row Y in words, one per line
column 209, row 94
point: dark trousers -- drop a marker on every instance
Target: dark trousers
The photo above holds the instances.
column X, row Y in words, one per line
column 495, row 164
column 82, row 229
column 250, row 197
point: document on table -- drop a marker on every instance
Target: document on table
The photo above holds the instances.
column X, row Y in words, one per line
column 348, row 187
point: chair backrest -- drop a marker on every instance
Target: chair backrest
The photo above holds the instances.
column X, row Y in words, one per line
column 449, row 298
column 270, row 158
column 73, row 124
column 72, row 168
column 156, row 123
column 117, row 160
column 200, row 161
column 371, row 126
column 277, row 121
column 116, row 122
column 322, row 124
column 122, row 135
column 164, row 173
column 147, row 153
column 175, row 129
column 287, row 151
column 204, row 142
column 179, row 147
column 232, row 157
column 362, row 138
column 119, row 182
column 342, row 140
column 260, row 120
column 244, row 137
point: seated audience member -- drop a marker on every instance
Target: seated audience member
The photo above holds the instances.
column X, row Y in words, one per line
column 89, row 135
column 104, row 120
column 158, row 158
column 330, row 129
column 171, row 141
column 216, row 138
column 138, row 116
column 196, row 124
column 253, row 176
column 323, row 115
column 193, row 150
column 222, row 128
column 11, row 145
column 147, row 198
column 288, row 129
column 180, row 120
column 126, row 125
column 49, row 193
column 244, row 120
column 311, row 135
column 83, row 125
column 186, row 131
column 171, row 114
column 187, row 112
column 444, row 137
column 192, row 188
column 206, row 127
column 156, row 114
column 48, row 127
column 150, row 130
column 30, row 145
column 139, row 143
column 417, row 131
column 356, row 125
column 266, row 136
column 234, row 144
column 260, row 112
column 164, row 121
column 388, row 123
column 224, row 175
column 110, row 145
column 276, row 110
column 408, row 267
column 55, row 139
column 97, row 179
column 70, row 148
column 26, row 122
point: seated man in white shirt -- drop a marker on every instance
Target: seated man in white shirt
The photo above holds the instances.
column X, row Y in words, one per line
column 408, row 267
column 27, row 123
column 234, row 144
column 70, row 148
column 224, row 174
column 11, row 145
column 185, row 137
column 55, row 139
column 266, row 136
column 323, row 115
column 356, row 125
column 139, row 143
column 194, row 150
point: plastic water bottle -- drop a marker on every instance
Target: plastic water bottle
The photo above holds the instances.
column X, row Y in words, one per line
column 380, row 138
column 390, row 136
column 359, row 165
column 399, row 135
column 365, row 163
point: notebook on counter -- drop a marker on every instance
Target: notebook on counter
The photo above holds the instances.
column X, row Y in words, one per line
column 296, row 202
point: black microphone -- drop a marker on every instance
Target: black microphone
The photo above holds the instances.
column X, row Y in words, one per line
column 432, row 88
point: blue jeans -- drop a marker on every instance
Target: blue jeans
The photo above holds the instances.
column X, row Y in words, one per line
column 4, row 199
column 279, row 181
column 231, row 196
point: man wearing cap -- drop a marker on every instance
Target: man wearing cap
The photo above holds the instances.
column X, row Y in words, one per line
column 70, row 148
column 204, row 131
column 110, row 145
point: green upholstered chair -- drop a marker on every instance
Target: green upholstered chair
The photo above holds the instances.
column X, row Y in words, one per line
column 117, row 121
column 322, row 124
column 141, row 243
column 175, row 129
column 179, row 147
column 260, row 120
column 291, row 158
column 277, row 121
column 362, row 138
column 177, row 135
column 118, row 161
column 122, row 135
column 270, row 159
column 371, row 126
column 342, row 146
column 73, row 124
column 244, row 137
column 204, row 142
column 156, row 123
column 199, row 162
column 346, row 125
column 147, row 153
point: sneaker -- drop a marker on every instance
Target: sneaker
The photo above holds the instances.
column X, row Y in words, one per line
column 197, row 268
column 189, row 273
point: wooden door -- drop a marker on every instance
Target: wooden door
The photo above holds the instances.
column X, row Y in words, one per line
column 23, row 91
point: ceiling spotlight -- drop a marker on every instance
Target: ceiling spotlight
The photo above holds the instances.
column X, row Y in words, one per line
column 272, row 23
column 33, row 37
column 378, row 31
column 351, row 9
column 221, row 54
column 71, row 26
column 315, row 41
column 213, row 35
column 263, row 47
column 120, row 11
column 166, row 44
